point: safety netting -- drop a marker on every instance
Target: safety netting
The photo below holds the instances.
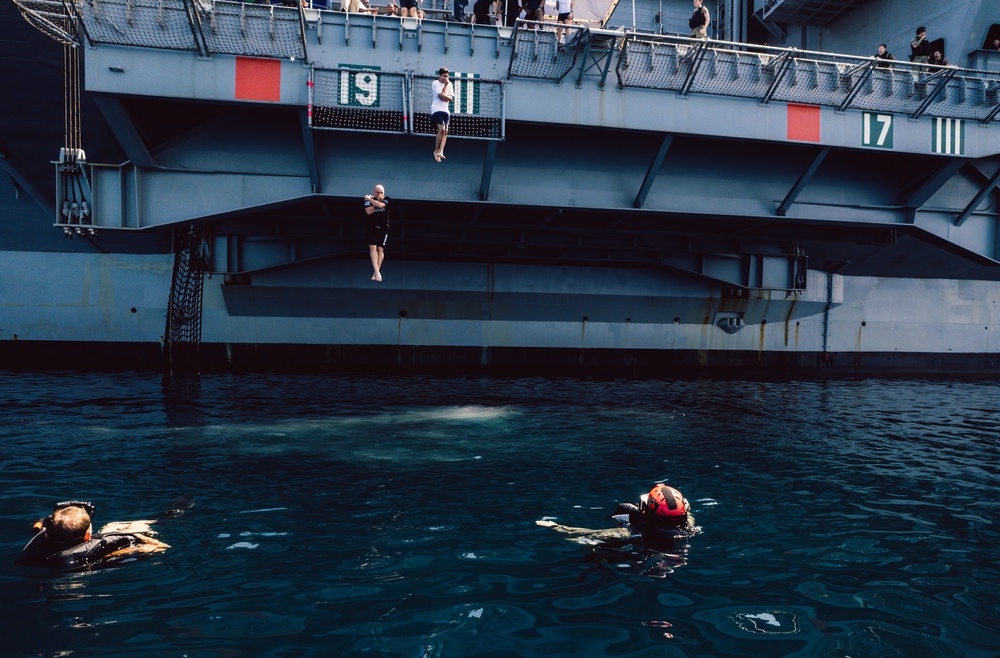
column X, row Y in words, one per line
column 477, row 109
column 51, row 17
column 358, row 99
column 255, row 30
column 769, row 74
column 149, row 23
column 539, row 52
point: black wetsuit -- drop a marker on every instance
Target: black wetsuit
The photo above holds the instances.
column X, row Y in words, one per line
column 42, row 552
column 697, row 18
column 378, row 223
column 653, row 527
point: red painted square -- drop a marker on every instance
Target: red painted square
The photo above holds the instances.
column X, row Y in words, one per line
column 803, row 122
column 258, row 79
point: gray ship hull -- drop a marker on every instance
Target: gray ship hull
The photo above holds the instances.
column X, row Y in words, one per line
column 880, row 295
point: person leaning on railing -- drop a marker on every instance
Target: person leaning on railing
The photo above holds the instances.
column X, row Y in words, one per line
column 883, row 53
column 938, row 60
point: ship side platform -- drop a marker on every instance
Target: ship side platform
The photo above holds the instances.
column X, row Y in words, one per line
column 621, row 202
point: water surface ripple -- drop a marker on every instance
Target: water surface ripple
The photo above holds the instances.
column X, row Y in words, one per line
column 355, row 516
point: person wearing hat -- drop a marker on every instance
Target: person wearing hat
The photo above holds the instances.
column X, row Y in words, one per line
column 660, row 517
column 64, row 539
column 662, row 514
column 442, row 94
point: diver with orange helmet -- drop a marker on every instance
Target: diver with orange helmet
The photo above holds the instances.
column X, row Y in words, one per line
column 660, row 517
column 662, row 514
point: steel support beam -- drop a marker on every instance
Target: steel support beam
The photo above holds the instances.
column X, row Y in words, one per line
column 21, row 182
column 996, row 108
column 596, row 58
column 780, row 67
column 309, row 144
column 776, row 31
column 943, row 78
column 488, row 160
column 801, row 183
column 121, row 124
column 697, row 56
column 976, row 200
column 654, row 169
column 924, row 191
column 866, row 74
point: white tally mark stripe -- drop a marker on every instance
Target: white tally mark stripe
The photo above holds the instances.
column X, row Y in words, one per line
column 466, row 99
column 948, row 136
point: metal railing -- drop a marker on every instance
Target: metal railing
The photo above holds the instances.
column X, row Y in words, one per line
column 690, row 66
column 368, row 100
column 670, row 63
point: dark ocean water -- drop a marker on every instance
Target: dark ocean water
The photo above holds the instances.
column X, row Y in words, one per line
column 346, row 516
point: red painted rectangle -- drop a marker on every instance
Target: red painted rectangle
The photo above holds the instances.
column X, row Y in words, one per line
column 803, row 122
column 258, row 79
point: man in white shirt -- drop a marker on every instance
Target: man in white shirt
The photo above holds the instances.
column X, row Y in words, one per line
column 442, row 94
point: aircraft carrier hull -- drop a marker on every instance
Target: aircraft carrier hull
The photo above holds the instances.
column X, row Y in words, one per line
column 708, row 278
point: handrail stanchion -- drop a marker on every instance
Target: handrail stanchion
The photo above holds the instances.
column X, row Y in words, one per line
column 866, row 73
column 945, row 77
column 194, row 20
column 696, row 59
column 780, row 66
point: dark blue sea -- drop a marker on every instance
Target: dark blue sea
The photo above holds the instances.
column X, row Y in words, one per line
column 395, row 516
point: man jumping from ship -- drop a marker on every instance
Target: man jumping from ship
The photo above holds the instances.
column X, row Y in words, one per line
column 442, row 94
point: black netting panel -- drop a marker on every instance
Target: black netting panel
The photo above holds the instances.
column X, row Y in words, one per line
column 238, row 28
column 150, row 23
column 476, row 113
column 537, row 52
column 358, row 99
column 185, row 307
column 51, row 18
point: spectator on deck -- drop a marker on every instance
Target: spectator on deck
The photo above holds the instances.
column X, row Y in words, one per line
column 564, row 11
column 481, row 11
column 920, row 47
column 938, row 60
column 533, row 10
column 699, row 21
column 409, row 8
column 883, row 52
column 460, row 6
column 996, row 44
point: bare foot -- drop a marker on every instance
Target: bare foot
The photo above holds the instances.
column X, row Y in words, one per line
column 442, row 156
column 378, row 277
column 437, row 157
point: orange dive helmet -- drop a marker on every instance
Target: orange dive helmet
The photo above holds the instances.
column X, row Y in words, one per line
column 666, row 501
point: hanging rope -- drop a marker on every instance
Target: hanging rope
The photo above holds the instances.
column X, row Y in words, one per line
column 71, row 99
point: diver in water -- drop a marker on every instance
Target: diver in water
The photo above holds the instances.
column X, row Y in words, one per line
column 659, row 518
column 662, row 514
column 64, row 539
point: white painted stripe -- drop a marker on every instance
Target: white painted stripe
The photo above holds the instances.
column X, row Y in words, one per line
column 947, row 135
